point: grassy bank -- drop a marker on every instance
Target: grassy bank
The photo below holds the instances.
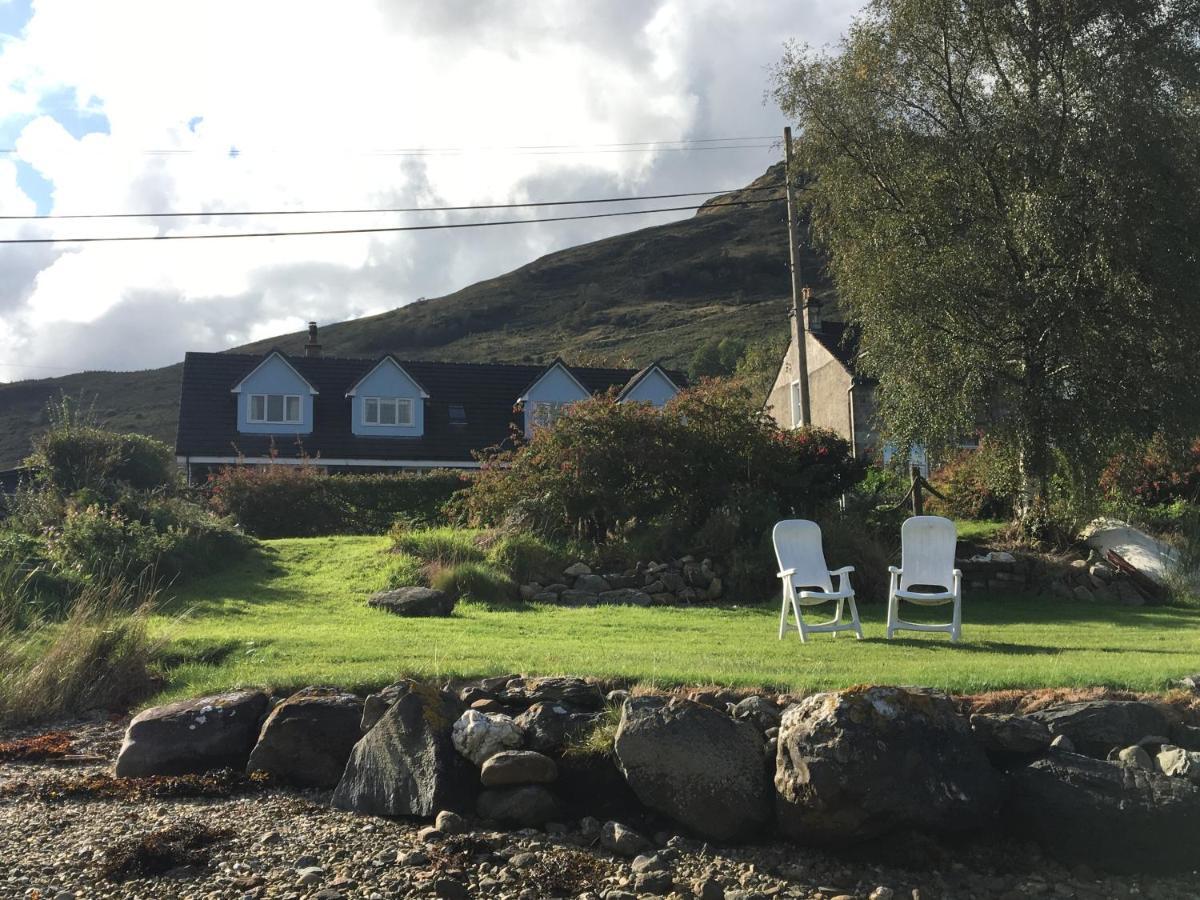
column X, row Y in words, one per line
column 294, row 615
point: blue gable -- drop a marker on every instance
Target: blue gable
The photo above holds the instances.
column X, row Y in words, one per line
column 384, row 394
column 274, row 377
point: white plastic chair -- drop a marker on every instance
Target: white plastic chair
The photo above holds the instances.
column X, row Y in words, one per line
column 926, row 560
column 802, row 568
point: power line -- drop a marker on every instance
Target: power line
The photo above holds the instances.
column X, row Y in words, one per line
column 395, row 209
column 397, row 228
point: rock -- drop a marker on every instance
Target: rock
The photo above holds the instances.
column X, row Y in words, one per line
column 1185, row 736
column 406, row 765
column 413, row 601
column 307, row 738
column 593, row 584
column 648, row 863
column 694, row 765
column 1106, row 815
column 708, row 888
column 557, row 588
column 1097, row 726
column 479, row 736
column 309, row 876
column 884, row 893
column 1006, row 738
column 616, row 582
column 412, row 858
column 1176, row 762
column 673, row 581
column 526, row 806
column 377, row 704
column 856, row 764
column 576, row 570
column 545, row 597
column 550, row 726
column 450, row 822
column 567, row 691
column 616, row 697
column 653, row 586
column 626, row 596
column 489, row 706
column 590, row 784
column 511, row 767
column 1137, row 757
column 192, row 736
column 758, row 711
column 622, row 840
column 448, row 888
column 1190, row 683
column 659, row 883
column 1062, row 742
column 578, row 598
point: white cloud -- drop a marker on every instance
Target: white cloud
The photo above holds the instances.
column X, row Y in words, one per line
column 313, row 97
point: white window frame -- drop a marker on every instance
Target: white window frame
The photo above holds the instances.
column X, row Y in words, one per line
column 265, row 418
column 794, row 398
column 404, row 404
column 546, row 412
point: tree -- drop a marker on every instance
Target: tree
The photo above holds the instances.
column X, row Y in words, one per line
column 716, row 357
column 1008, row 192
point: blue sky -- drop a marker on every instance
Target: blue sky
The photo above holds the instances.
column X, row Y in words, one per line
column 134, row 105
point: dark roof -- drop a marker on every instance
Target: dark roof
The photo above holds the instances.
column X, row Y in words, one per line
column 841, row 340
column 10, row 479
column 642, row 373
column 486, row 391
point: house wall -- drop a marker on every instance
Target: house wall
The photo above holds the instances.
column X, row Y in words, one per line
column 275, row 377
column 387, row 380
column 556, row 386
column 655, row 388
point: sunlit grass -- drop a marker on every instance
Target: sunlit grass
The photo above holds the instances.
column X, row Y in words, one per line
column 295, row 615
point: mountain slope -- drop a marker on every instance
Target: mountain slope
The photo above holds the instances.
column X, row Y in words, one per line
column 654, row 293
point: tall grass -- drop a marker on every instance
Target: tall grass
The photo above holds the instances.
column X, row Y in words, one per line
column 445, row 546
column 101, row 657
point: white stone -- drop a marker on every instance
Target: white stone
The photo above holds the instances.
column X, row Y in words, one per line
column 480, row 736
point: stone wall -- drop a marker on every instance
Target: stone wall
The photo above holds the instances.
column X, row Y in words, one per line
column 678, row 581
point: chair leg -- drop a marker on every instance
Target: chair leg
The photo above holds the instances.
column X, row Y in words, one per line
column 956, row 621
column 837, row 619
column 800, row 626
column 858, row 633
column 891, row 615
column 783, row 612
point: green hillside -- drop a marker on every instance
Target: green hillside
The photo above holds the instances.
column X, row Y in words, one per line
column 654, row 293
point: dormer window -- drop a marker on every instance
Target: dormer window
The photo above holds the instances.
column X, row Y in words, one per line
column 387, row 411
column 274, row 409
column 547, row 412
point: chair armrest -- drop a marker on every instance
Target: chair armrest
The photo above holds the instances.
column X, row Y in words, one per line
column 895, row 571
column 957, row 573
column 785, row 573
column 844, row 570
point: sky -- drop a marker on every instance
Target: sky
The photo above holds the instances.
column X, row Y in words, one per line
column 156, row 105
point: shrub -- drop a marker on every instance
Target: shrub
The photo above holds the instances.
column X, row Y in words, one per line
column 527, row 557
column 1155, row 473
column 474, row 581
column 979, row 484
column 302, row 501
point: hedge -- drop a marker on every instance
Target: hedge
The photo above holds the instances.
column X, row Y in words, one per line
column 302, row 501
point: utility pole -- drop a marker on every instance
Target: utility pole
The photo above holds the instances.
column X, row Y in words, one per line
column 799, row 294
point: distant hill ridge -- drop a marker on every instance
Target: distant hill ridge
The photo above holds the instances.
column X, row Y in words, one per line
column 654, row 293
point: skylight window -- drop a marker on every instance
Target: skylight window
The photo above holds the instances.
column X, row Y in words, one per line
column 458, row 414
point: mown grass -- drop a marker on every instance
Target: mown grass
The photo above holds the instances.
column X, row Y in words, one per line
column 294, row 614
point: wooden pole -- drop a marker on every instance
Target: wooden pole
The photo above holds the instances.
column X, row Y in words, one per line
column 798, row 294
column 918, row 502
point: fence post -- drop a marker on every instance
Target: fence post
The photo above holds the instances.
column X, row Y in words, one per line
column 918, row 502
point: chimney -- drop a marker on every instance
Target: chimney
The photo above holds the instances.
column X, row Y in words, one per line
column 313, row 347
column 812, row 312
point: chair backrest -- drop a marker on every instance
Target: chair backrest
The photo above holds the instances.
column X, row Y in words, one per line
column 927, row 545
column 798, row 546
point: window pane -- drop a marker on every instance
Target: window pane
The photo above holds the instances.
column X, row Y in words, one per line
column 403, row 412
column 274, row 407
column 293, row 409
column 371, row 411
column 387, row 412
column 258, row 407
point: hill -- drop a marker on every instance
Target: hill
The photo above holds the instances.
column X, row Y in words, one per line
column 658, row 292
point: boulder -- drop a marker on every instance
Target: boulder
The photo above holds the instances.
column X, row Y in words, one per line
column 694, row 765
column 551, row 726
column 590, row 784
column 307, row 738
column 413, row 601
column 512, row 767
column 1185, row 736
column 623, row 840
column 1179, row 763
column 758, row 711
column 377, row 704
column 593, row 584
column 1106, row 815
column 578, row 598
column 1095, row 727
column 576, row 570
column 856, row 764
column 406, row 765
column 478, row 735
column 525, row 806
column 192, row 736
column 568, row 691
column 1010, row 738
column 625, row 596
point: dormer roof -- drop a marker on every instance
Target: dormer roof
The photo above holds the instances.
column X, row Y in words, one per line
column 641, row 376
column 556, row 364
column 384, row 360
column 282, row 357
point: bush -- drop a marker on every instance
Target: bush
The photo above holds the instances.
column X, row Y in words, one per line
column 979, row 484
column 302, row 501
column 444, row 546
column 528, row 557
column 1156, row 473
column 474, row 581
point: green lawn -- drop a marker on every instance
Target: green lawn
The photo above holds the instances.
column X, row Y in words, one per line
column 294, row 615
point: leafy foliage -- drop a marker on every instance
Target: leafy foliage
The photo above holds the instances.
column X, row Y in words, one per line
column 981, row 175
column 1155, row 472
column 302, row 501
column 979, row 484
